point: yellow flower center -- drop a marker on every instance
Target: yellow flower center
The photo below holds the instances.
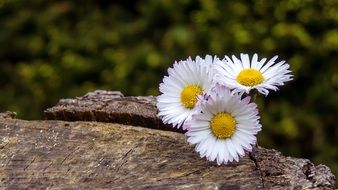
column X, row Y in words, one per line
column 223, row 125
column 250, row 77
column 189, row 95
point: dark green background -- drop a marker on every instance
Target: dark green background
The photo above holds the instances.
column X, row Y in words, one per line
column 61, row 49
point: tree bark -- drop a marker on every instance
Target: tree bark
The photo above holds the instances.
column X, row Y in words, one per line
column 112, row 107
column 96, row 155
column 78, row 155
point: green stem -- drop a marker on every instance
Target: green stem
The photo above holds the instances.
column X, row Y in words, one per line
column 253, row 95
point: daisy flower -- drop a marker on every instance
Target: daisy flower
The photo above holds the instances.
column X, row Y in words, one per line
column 225, row 128
column 243, row 75
column 187, row 80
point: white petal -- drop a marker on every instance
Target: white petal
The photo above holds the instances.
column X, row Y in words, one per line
column 268, row 64
column 254, row 61
column 245, row 61
column 232, row 150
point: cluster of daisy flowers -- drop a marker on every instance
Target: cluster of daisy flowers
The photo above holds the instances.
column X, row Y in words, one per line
column 210, row 98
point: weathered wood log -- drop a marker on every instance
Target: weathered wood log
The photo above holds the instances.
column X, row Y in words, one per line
column 110, row 106
column 44, row 154
column 82, row 155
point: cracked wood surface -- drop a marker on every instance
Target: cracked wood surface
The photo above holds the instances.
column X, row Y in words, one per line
column 79, row 155
column 57, row 154
column 112, row 107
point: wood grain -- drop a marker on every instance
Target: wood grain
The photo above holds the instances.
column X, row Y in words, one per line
column 130, row 148
column 79, row 155
column 47, row 154
column 112, row 107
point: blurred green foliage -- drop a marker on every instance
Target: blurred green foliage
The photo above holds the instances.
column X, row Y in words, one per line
column 57, row 49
